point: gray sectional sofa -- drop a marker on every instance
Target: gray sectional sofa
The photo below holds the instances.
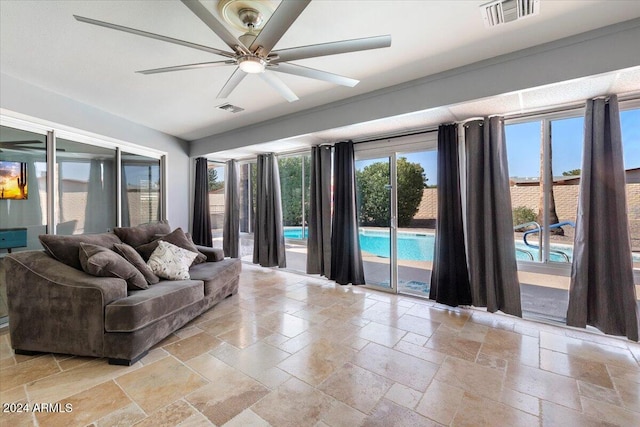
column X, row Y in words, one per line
column 59, row 308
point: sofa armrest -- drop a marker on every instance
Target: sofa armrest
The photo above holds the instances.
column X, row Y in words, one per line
column 56, row 308
column 213, row 254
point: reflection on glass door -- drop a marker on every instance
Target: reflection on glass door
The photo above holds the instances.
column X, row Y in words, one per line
column 417, row 213
column 373, row 180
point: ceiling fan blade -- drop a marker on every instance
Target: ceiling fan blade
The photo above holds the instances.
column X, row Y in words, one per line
column 153, row 36
column 331, row 48
column 278, row 24
column 279, row 86
column 231, row 84
column 312, row 73
column 186, row 67
column 216, row 26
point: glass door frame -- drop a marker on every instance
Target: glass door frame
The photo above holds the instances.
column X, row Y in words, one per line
column 391, row 148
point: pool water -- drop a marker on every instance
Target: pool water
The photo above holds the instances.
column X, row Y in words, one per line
column 420, row 247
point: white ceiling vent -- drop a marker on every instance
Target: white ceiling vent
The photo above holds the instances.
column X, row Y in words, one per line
column 503, row 11
column 230, row 108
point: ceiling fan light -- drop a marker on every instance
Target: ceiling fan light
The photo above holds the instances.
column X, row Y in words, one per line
column 251, row 64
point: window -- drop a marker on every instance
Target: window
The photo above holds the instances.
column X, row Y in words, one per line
column 140, row 191
column 216, row 175
column 85, row 188
column 630, row 120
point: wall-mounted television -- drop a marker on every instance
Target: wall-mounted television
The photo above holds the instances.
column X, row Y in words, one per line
column 13, row 180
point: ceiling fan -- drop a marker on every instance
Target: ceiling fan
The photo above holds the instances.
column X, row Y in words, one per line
column 252, row 53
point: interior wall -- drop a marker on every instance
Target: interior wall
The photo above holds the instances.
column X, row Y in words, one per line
column 595, row 52
column 21, row 97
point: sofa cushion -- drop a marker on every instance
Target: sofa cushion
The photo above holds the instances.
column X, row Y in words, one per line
column 176, row 237
column 65, row 248
column 142, row 308
column 102, row 262
column 141, row 234
column 170, row 261
column 135, row 258
column 216, row 274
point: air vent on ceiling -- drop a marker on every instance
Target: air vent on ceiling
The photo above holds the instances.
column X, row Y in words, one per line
column 230, row 108
column 503, row 11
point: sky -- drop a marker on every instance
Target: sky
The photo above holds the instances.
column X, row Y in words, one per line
column 567, row 136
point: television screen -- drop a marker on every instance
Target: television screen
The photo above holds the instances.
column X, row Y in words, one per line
column 13, row 180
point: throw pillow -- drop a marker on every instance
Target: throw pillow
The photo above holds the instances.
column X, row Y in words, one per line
column 130, row 254
column 178, row 238
column 65, row 248
column 170, row 261
column 102, row 262
column 141, row 234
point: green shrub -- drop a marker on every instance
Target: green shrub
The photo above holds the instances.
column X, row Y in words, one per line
column 522, row 214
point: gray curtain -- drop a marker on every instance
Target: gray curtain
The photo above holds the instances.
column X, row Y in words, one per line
column 602, row 293
column 346, row 259
column 97, row 214
column 268, row 235
column 490, row 243
column 201, row 218
column 125, row 216
column 319, row 242
column 231, row 228
column 449, row 276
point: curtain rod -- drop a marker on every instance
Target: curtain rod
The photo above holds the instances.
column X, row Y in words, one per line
column 396, row 136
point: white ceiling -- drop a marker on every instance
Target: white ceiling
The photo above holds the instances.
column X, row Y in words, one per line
column 41, row 43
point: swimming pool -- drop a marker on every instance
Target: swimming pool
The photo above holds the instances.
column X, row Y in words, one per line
column 420, row 246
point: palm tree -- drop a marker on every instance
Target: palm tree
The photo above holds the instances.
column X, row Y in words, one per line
column 553, row 215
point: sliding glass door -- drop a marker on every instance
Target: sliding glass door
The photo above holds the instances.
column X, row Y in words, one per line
column 377, row 219
column 397, row 207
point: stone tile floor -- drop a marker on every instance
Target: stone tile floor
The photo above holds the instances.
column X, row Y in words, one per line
column 290, row 350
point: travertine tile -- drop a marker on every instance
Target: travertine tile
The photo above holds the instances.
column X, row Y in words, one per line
column 611, row 413
column 284, row 323
column 255, row 359
column 357, row 387
column 314, row 363
column 170, row 415
column 440, row 402
column 630, row 374
column 294, row 404
column 229, row 393
column 575, row 367
column 68, row 383
column 193, row 346
column 403, row 395
column 381, row 334
column 415, row 339
column 477, row 411
column 521, row 401
column 124, row 417
column 247, row 418
column 596, row 392
column 85, row 407
column 339, row 414
column 588, row 350
column 156, row 385
column 455, row 346
column 400, row 367
column 554, row 415
column 423, row 353
column 543, row 384
column 510, row 346
column 387, row 413
column 471, row 377
column 629, row 392
column 26, row 372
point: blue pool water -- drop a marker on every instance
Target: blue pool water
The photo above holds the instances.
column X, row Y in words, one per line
column 420, row 247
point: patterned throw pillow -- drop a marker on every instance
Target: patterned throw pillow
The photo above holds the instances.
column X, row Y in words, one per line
column 170, row 261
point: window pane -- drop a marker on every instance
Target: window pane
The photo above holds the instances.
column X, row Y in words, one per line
column 85, row 188
column 23, row 159
column 216, row 173
column 567, row 140
column 247, row 209
column 140, row 190
column 291, row 188
column 524, row 156
column 630, row 123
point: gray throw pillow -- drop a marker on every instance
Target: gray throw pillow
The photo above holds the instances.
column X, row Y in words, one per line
column 130, row 254
column 141, row 234
column 102, row 262
column 65, row 248
column 178, row 238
